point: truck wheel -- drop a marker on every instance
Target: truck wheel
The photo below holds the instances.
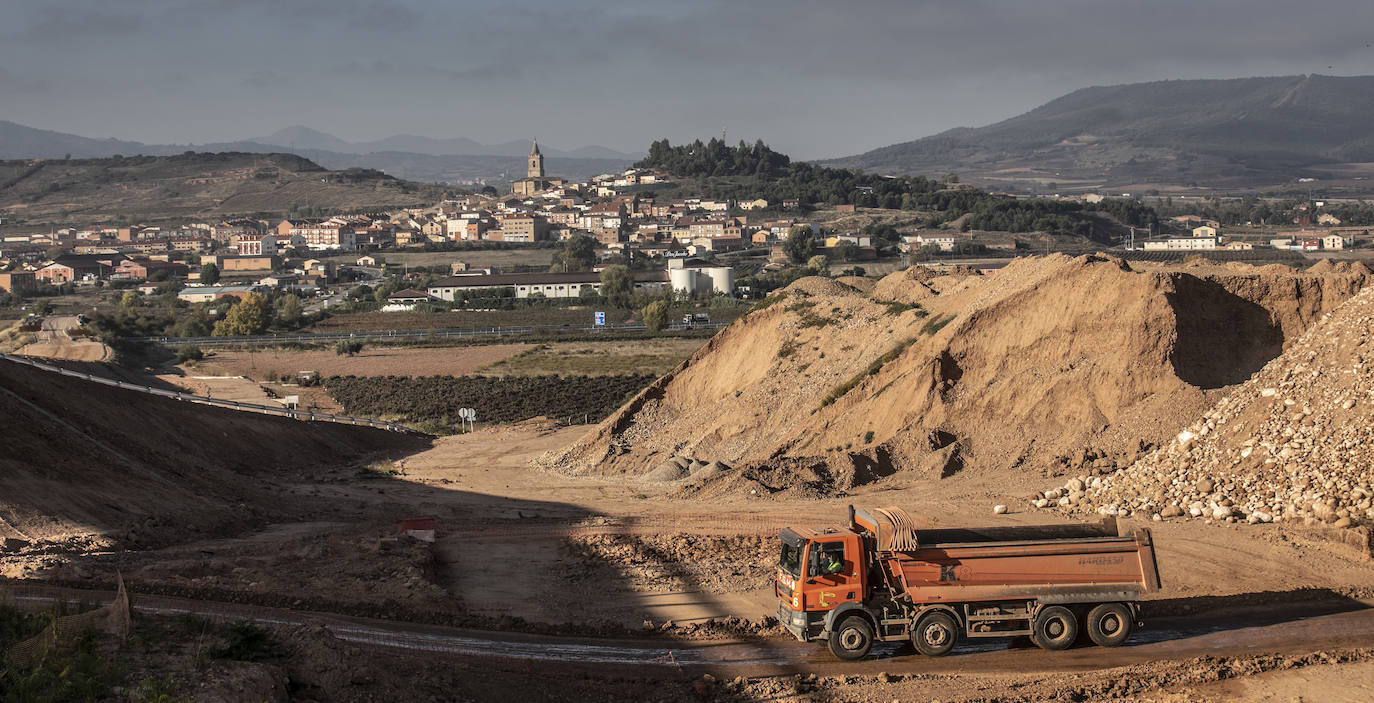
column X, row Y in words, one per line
column 1109, row 624
column 1055, row 628
column 936, row 634
column 852, row 639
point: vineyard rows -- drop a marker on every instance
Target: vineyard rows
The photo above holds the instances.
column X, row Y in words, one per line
column 496, row 399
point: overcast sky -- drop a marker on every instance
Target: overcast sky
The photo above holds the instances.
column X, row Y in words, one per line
column 814, row 78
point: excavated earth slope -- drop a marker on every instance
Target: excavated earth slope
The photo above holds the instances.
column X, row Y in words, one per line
column 83, row 460
column 1049, row 365
column 1292, row 443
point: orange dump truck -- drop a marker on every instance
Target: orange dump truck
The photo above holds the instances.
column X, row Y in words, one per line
column 881, row 578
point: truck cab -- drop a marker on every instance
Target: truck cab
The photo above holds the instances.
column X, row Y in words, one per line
column 808, row 587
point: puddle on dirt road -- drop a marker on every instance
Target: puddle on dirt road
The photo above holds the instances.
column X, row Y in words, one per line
column 1168, row 642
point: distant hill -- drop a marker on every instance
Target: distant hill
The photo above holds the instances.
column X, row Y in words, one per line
column 407, row 157
column 191, row 185
column 301, row 137
column 20, row 142
column 1209, row 133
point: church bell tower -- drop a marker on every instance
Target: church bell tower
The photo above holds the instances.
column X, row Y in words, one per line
column 536, row 167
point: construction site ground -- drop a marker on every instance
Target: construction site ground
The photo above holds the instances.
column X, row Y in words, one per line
column 576, row 560
column 633, row 560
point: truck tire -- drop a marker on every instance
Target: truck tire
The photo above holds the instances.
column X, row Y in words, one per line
column 935, row 634
column 1109, row 624
column 1055, row 628
column 852, row 639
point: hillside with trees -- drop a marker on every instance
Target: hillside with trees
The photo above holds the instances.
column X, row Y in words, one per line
column 716, row 170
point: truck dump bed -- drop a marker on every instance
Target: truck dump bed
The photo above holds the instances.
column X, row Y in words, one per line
column 1051, row 563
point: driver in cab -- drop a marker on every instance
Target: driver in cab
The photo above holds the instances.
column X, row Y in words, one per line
column 832, row 565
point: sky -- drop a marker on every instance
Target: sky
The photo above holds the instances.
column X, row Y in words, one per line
column 812, row 78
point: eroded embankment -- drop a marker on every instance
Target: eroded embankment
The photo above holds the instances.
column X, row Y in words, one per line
column 1052, row 363
column 83, row 459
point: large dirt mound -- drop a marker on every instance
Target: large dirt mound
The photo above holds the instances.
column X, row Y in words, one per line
column 1292, row 443
column 1048, row 364
column 82, row 459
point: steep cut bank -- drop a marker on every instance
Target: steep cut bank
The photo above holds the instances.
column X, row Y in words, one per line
column 87, row 461
column 1293, row 443
column 1051, row 365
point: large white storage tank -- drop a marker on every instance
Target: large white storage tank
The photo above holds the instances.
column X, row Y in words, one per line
column 684, row 280
column 722, row 279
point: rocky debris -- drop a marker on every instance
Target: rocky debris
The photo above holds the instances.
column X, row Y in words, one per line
column 1295, row 442
column 672, row 562
column 999, row 510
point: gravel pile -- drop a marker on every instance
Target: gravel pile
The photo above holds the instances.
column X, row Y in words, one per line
column 1294, row 442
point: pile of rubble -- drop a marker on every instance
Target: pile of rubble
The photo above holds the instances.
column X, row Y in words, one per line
column 1294, row 442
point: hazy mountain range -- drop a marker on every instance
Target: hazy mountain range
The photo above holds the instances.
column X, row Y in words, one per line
column 404, row 156
column 1248, row 133
column 1217, row 133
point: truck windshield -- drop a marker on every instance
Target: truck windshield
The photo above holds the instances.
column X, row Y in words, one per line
column 790, row 561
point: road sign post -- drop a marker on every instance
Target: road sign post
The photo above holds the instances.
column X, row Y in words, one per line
column 599, row 319
column 468, row 415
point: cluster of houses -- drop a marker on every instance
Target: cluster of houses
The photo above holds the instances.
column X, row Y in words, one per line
column 549, row 208
column 1207, row 236
column 539, row 208
column 684, row 276
column 305, row 277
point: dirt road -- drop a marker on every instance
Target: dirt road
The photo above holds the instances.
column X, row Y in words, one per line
column 56, row 342
column 1279, row 629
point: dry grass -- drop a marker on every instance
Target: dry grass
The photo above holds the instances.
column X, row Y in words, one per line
column 655, row 356
column 382, row 361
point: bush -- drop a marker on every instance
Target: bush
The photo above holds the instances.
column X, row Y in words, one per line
column 347, row 347
column 655, row 315
column 189, row 352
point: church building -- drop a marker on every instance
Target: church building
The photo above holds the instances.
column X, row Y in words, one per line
column 535, row 181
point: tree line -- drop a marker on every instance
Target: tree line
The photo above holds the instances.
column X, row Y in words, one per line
column 748, row 171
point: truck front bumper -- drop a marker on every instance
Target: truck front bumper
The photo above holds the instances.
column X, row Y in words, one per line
column 804, row 626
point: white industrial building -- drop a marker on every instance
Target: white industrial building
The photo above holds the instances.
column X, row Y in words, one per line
column 1182, row 244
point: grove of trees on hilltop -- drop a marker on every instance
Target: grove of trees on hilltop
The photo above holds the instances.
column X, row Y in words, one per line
column 754, row 170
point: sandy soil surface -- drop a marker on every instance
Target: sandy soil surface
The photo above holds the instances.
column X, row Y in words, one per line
column 518, row 547
column 437, row 361
column 650, row 577
column 55, row 341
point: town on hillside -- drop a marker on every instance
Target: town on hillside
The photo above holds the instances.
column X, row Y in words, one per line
column 618, row 213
